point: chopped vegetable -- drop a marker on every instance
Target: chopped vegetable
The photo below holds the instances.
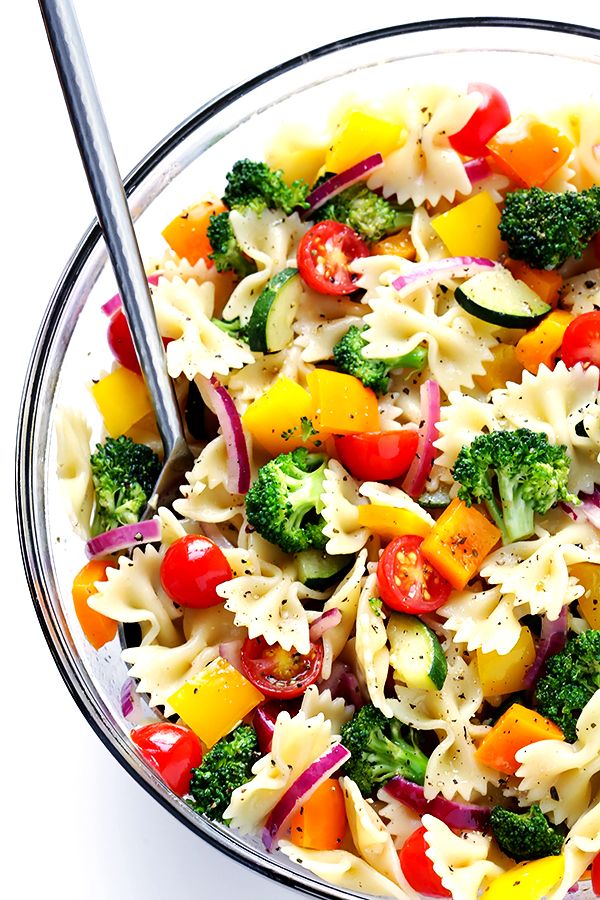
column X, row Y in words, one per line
column 571, row 679
column 581, row 341
column 529, row 152
column 396, row 245
column 358, row 136
column 342, row 404
column 553, row 637
column 170, row 749
column 191, row 571
column 390, row 522
column 545, row 283
column 124, row 537
column 406, row 579
column 254, row 186
column 416, row 655
column 461, row 816
column 471, row 227
column 218, row 400
column 324, row 257
column 417, row 867
column 98, row 629
column 369, row 214
column 278, row 673
column 541, row 345
column 527, row 881
column 226, row 767
column 506, row 673
column 524, row 836
column 377, row 456
column 459, row 542
column 374, row 373
column 275, row 420
column 500, row 299
column 420, row 468
column 516, row 728
column 122, row 399
column 588, row 575
column 320, row 822
column 491, row 115
column 330, row 185
column 187, row 233
column 124, row 474
column 431, row 273
column 226, row 252
column 502, row 368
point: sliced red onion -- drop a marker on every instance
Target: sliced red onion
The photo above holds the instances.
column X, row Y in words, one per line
column 418, row 473
column 462, row 816
column 265, row 716
column 123, row 537
column 590, row 507
column 127, row 697
column 432, row 272
column 553, row 638
column 213, row 532
column 300, row 790
column 328, row 620
column 238, row 463
column 231, row 651
column 112, row 305
column 338, row 183
column 478, row 169
column 596, row 151
column 343, row 683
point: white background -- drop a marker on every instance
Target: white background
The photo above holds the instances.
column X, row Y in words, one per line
column 76, row 826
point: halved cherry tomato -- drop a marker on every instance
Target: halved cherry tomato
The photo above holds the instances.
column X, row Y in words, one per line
column 407, row 581
column 192, row 570
column 121, row 342
column 418, row 868
column 280, row 673
column 324, row 255
column 491, row 115
column 596, row 876
column 377, row 455
column 581, row 341
column 172, row 750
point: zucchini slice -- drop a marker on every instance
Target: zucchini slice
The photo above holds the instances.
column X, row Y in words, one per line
column 270, row 326
column 416, row 654
column 317, row 570
column 497, row 297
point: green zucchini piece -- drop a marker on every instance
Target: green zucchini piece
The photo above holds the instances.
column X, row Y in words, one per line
column 416, row 654
column 435, row 500
column 270, row 326
column 317, row 570
column 500, row 299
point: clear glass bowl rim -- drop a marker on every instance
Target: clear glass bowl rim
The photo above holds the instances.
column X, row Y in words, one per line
column 29, row 415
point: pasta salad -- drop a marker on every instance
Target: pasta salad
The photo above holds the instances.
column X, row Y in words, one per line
column 369, row 626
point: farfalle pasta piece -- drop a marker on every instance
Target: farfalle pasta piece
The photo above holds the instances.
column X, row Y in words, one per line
column 335, row 711
column 345, row 598
column 73, row 436
column 388, row 495
column 340, row 498
column 400, row 820
column 461, row 420
column 581, row 845
column 581, row 293
column 205, row 497
column 482, row 620
column 427, row 243
column 372, row 653
column 581, row 123
column 461, row 860
column 369, row 834
column 254, row 380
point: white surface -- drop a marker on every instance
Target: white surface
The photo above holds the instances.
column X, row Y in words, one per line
column 76, row 825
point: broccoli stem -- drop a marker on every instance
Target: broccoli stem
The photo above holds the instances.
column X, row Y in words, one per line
column 388, row 758
column 518, row 520
column 414, row 359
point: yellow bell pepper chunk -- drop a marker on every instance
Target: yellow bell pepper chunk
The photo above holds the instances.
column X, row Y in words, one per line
column 527, row 881
column 542, row 343
column 297, row 154
column 274, row 420
column 214, row 701
column 341, row 403
column 459, row 542
column 588, row 575
column 471, row 228
column 502, row 368
column 360, row 135
column 389, row 522
column 504, row 674
column 122, row 399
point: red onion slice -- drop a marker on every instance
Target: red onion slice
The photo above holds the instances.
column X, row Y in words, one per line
column 231, row 651
column 123, row 537
column 328, row 620
column 338, row 183
column 462, row 816
column 300, row 790
column 553, row 638
column 418, row 473
column 238, row 463
column 112, row 305
column 127, row 697
column 213, row 532
column 432, row 272
column 343, row 683
column 478, row 169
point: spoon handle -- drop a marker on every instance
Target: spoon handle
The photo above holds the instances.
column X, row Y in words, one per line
column 93, row 140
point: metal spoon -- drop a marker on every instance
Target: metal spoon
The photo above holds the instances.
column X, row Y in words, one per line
column 93, row 140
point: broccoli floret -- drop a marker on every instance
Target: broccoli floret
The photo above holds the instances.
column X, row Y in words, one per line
column 370, row 215
column 545, row 229
column 284, row 503
column 226, row 252
column 515, row 473
column 374, row 373
column 124, row 474
column 253, row 185
column 227, row 766
column 570, row 679
column 524, row 836
column 379, row 750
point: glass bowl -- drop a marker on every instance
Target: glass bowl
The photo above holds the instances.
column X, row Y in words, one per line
column 536, row 64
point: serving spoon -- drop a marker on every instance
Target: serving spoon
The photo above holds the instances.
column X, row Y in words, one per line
column 93, row 140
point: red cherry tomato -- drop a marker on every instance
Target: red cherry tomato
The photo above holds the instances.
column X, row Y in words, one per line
column 491, row 115
column 581, row 340
column 324, row 254
column 279, row 673
column 418, row 868
column 378, row 455
column 172, row 750
column 121, row 343
column 596, row 875
column 407, row 581
column 192, row 570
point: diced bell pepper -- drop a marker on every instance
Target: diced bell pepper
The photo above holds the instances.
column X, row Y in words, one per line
column 546, row 283
column 389, row 522
column 360, row 135
column 187, row 233
column 341, row 403
column 516, row 728
column 504, row 674
column 502, row 368
column 274, row 420
column 122, row 399
column 527, row 881
column 98, row 628
column 541, row 344
column 459, row 542
column 399, row 244
column 588, row 575
column 529, row 152
column 320, row 823
column 471, row 228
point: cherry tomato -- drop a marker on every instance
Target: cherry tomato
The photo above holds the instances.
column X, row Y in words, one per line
column 324, row 254
column 581, row 340
column 407, row 581
column 192, row 570
column 172, row 750
column 418, row 868
column 121, row 343
column 596, row 875
column 377, row 455
column 491, row 115
column 280, row 673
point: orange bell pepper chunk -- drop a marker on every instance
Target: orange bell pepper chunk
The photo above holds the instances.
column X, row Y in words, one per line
column 529, row 151
column 98, row 628
column 546, row 284
column 516, row 728
column 341, row 403
column 389, row 522
column 280, row 419
column 588, row 575
column 542, row 343
column 459, row 542
column 396, row 245
column 503, row 367
column 320, row 823
column 187, row 233
column 504, row 674
column 122, row 399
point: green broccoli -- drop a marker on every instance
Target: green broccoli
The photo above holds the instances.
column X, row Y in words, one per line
column 570, row 679
column 374, row 373
column 284, row 503
column 226, row 252
column 253, row 185
column 227, row 766
column 524, row 836
column 515, row 473
column 545, row 229
column 124, row 474
column 379, row 750
column 370, row 215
